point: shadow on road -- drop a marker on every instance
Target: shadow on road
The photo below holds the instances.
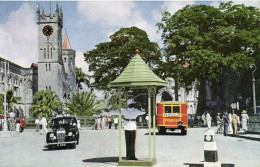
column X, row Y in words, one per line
column 102, row 160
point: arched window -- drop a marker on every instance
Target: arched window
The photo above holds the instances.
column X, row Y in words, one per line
column 44, row 53
column 49, row 67
column 51, row 53
column 48, row 51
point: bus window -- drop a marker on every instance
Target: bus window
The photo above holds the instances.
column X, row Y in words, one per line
column 176, row 109
column 167, row 109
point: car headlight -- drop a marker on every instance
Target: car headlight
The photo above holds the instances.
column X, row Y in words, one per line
column 70, row 134
column 51, row 135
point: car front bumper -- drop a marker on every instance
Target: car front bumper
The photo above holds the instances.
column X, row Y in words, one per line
column 62, row 143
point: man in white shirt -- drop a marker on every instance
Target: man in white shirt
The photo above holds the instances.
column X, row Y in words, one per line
column 115, row 122
column 130, row 115
column 43, row 122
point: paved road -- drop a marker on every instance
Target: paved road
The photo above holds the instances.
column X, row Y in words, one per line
column 100, row 149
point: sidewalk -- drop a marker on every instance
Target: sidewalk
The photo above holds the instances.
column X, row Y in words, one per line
column 249, row 136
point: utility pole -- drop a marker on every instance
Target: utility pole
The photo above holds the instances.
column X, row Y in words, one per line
column 5, row 90
column 25, row 96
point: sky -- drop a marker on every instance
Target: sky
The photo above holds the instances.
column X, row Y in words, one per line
column 87, row 24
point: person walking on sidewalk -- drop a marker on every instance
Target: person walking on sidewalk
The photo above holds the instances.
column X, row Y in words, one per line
column 226, row 123
column 109, row 120
column 208, row 118
column 219, row 123
column 244, row 120
column 43, row 122
column 115, row 122
column 234, row 122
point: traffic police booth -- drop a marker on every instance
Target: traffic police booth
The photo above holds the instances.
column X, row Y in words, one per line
column 137, row 75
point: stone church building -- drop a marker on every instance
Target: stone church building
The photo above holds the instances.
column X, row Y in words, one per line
column 55, row 69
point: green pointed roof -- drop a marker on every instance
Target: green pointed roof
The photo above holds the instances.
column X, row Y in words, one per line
column 137, row 74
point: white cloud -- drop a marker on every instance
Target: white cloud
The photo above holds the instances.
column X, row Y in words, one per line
column 109, row 13
column 79, row 62
column 18, row 37
column 174, row 6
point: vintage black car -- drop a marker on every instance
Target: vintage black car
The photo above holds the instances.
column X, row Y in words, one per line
column 64, row 132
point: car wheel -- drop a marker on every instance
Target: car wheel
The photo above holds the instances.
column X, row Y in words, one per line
column 51, row 147
column 73, row 146
column 77, row 141
column 162, row 130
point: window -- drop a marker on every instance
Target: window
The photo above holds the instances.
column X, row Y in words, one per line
column 46, row 67
column 46, row 87
column 167, row 109
column 50, row 87
column 48, row 51
column 65, row 60
column 176, row 109
column 51, row 53
column 44, row 53
column 49, row 67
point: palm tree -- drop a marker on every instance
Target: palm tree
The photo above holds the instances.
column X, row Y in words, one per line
column 11, row 99
column 46, row 102
column 81, row 77
column 83, row 104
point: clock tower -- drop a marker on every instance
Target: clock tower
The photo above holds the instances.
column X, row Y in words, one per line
column 51, row 73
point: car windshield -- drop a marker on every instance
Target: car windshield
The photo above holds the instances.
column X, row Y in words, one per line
column 63, row 121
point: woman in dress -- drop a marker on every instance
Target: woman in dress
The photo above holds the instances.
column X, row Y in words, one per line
column 244, row 120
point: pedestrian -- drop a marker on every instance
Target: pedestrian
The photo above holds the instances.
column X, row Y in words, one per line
column 203, row 118
column 11, row 121
column 230, row 123
column 109, row 120
column 103, row 123
column 37, row 124
column 244, row 120
column 115, row 122
column 130, row 115
column 226, row 123
column 98, row 123
column 234, row 122
column 219, row 122
column 208, row 119
column 17, row 123
column 43, row 122
column 78, row 124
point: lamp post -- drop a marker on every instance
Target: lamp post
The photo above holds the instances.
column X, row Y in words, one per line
column 253, row 80
column 5, row 90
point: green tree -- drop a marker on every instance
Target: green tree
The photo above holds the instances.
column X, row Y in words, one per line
column 108, row 59
column 46, row 102
column 11, row 99
column 210, row 39
column 81, row 77
column 83, row 104
column 213, row 41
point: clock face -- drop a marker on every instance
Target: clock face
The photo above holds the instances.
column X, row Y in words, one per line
column 47, row 30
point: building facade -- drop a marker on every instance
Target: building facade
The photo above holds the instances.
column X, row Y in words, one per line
column 55, row 69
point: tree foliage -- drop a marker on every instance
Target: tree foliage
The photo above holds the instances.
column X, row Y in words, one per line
column 11, row 99
column 212, row 40
column 46, row 102
column 83, row 104
column 108, row 59
column 81, row 77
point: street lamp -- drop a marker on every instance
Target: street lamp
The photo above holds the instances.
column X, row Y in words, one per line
column 253, row 80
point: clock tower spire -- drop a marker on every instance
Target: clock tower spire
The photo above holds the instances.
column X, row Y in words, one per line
column 50, row 64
